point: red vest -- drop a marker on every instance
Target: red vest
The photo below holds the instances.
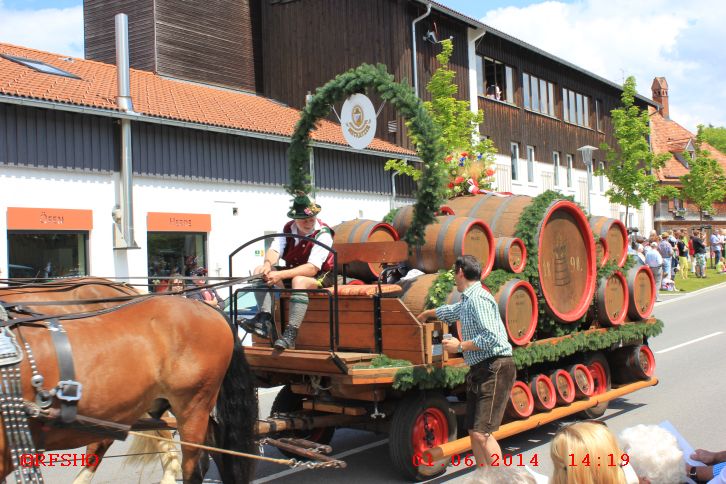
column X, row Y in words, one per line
column 297, row 254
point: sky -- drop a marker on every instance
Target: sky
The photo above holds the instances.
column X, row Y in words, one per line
column 681, row 41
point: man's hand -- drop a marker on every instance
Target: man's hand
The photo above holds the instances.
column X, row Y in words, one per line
column 426, row 315
column 212, row 302
column 273, row 278
column 451, row 345
column 266, row 268
column 705, row 456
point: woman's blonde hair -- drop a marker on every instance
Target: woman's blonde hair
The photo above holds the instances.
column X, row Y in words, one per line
column 586, row 441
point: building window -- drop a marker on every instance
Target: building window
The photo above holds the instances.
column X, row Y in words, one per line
column 515, row 160
column 495, row 80
column 556, row 167
column 39, row 66
column 43, row 255
column 530, row 164
column 569, row 171
column 538, row 94
column 175, row 253
column 601, row 168
column 575, row 108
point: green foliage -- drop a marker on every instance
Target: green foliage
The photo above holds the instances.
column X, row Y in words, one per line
column 423, row 132
column 581, row 342
column 391, row 215
column 383, row 361
column 498, row 277
column 705, row 182
column 440, row 289
column 429, row 377
column 715, row 136
column 631, row 167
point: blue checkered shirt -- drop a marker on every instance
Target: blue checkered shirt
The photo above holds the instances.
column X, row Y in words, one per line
column 480, row 323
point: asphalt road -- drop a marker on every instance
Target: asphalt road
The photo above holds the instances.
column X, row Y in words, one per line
column 689, row 355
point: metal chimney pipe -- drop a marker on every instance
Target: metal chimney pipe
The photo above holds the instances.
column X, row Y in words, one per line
column 124, row 102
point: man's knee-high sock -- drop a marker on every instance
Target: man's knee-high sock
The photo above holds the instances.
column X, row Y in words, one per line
column 264, row 301
column 298, row 308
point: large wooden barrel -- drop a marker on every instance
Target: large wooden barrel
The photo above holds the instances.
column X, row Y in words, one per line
column 521, row 401
column 402, row 220
column 451, row 237
column 642, row 293
column 612, row 299
column 602, row 253
column 510, row 254
column 416, row 290
column 518, row 308
column 361, row 230
column 565, row 247
column 614, row 232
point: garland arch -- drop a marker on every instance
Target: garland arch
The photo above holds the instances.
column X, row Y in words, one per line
column 430, row 193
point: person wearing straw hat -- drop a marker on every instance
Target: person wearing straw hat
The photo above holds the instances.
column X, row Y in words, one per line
column 307, row 266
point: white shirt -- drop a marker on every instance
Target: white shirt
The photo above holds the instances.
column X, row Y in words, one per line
column 317, row 254
column 720, row 478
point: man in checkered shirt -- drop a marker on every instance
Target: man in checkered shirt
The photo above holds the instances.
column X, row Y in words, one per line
column 486, row 350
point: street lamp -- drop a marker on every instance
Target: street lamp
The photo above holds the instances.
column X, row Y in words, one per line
column 586, row 152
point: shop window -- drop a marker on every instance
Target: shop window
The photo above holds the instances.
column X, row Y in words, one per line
column 174, row 254
column 45, row 255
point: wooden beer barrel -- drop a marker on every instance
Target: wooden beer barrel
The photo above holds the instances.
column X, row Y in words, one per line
column 416, row 290
column 612, row 299
column 632, row 363
column 451, row 237
column 402, row 220
column 543, row 391
column 521, row 401
column 518, row 308
column 564, row 386
column 613, row 231
column 582, row 378
column 510, row 254
column 361, row 230
column 602, row 253
column 565, row 247
column 642, row 293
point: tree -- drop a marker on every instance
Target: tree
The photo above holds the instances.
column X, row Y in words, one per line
column 631, row 167
column 715, row 136
column 705, row 182
column 469, row 158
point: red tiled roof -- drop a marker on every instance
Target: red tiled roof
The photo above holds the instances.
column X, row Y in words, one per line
column 667, row 136
column 153, row 95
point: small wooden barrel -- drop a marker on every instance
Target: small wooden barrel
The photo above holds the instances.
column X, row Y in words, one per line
column 450, row 238
column 510, row 254
column 564, row 386
column 565, row 246
column 642, row 293
column 402, row 220
column 416, row 290
column 632, row 363
column 361, row 230
column 582, row 378
column 612, row 299
column 601, row 252
column 544, row 393
column 518, row 308
column 614, row 232
column 521, row 402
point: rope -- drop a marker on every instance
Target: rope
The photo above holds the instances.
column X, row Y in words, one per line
column 286, row 462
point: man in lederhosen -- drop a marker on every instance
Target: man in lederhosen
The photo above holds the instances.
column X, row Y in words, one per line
column 486, row 350
column 307, row 266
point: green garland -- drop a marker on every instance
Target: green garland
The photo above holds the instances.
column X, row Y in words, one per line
column 391, row 215
column 430, row 377
column 498, row 277
column 422, row 131
column 440, row 289
column 598, row 340
column 382, row 361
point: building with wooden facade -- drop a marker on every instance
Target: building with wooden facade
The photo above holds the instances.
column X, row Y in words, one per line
column 539, row 109
column 209, row 166
column 667, row 136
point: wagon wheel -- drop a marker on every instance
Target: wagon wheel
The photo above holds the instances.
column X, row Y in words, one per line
column 598, row 366
column 288, row 402
column 420, row 422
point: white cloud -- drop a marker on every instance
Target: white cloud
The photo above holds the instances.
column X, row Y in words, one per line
column 57, row 30
column 682, row 41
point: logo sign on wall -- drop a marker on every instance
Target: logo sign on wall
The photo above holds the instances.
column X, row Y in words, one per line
column 358, row 121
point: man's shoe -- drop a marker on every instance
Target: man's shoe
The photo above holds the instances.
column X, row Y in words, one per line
column 287, row 342
column 261, row 324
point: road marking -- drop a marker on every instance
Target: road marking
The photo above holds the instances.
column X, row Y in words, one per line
column 355, row 450
column 689, row 342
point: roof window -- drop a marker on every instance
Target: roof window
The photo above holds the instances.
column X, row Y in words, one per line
column 39, row 66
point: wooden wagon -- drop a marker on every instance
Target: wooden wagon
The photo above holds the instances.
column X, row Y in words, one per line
column 332, row 379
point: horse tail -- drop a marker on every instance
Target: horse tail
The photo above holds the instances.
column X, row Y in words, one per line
column 236, row 418
column 143, row 452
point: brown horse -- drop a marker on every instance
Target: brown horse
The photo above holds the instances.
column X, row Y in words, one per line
column 108, row 294
column 161, row 349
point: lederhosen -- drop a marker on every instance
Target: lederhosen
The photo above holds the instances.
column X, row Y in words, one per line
column 297, row 252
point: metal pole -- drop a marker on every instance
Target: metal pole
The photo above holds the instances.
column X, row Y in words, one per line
column 414, row 64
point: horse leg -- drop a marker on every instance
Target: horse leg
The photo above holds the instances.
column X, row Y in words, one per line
column 98, row 449
column 192, row 426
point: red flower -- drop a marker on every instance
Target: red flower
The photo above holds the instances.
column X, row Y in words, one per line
column 465, row 154
column 490, row 171
column 451, row 185
column 458, row 179
column 449, row 158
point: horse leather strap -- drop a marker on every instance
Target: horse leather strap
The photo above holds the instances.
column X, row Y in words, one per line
column 68, row 391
